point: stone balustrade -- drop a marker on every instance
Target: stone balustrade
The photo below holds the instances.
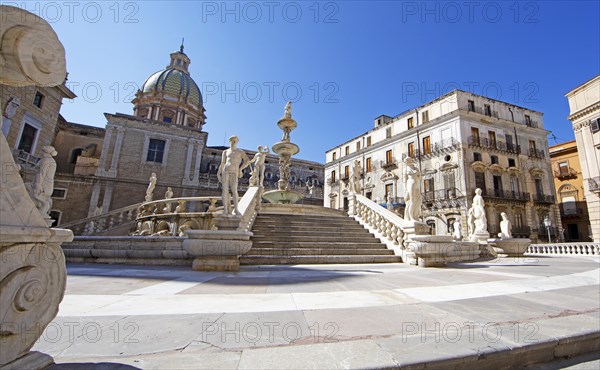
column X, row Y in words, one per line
column 104, row 222
column 172, row 217
column 386, row 224
column 581, row 249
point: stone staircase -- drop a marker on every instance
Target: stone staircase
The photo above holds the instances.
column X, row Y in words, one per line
column 327, row 238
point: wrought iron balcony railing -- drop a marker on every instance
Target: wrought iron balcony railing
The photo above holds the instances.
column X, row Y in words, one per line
column 537, row 153
column 543, row 198
column 507, row 195
column 565, row 173
column 493, row 144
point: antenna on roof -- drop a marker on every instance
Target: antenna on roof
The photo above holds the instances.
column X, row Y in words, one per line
column 554, row 138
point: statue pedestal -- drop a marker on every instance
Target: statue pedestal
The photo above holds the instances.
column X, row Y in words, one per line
column 217, row 250
column 480, row 237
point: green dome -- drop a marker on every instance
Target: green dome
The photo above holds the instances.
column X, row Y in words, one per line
column 175, row 83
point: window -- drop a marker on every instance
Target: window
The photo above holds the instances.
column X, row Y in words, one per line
column 411, row 150
column 518, row 219
column 389, row 190
column 480, row 181
column 332, row 176
column 168, row 119
column 498, row 185
column 369, row 165
column 539, row 189
column 388, row 132
column 595, row 125
column 388, row 157
column 475, row 132
column 471, row 106
column 492, row 136
column 38, row 99
column 28, row 137
column 487, row 109
column 494, row 159
column 450, row 185
column 528, row 120
column 425, row 116
column 511, row 162
column 411, row 122
column 563, row 168
column 357, row 146
column 334, row 156
column 59, row 193
column 426, row 145
column 532, row 148
column 429, row 185
column 476, row 156
column 514, row 184
column 346, row 172
column 347, row 150
column 156, row 150
column 368, row 141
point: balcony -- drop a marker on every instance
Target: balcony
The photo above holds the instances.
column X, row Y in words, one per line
column 482, row 111
column 565, row 173
column 542, row 198
column 483, row 142
column 506, row 195
column 537, row 153
column 441, row 147
column 23, row 157
column 444, row 198
column 530, row 123
column 594, row 184
column 389, row 165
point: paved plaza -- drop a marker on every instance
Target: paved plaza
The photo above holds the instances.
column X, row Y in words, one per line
column 327, row 316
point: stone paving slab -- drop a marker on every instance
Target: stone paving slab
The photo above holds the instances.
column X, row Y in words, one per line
column 503, row 314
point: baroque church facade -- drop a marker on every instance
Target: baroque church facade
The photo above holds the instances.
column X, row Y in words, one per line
column 101, row 170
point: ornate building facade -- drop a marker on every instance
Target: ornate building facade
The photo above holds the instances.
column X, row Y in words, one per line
column 461, row 141
column 568, row 181
column 584, row 102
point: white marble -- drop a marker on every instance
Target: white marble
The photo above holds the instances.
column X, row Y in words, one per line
column 233, row 162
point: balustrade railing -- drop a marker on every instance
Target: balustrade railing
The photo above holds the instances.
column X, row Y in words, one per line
column 537, row 153
column 507, row 195
column 249, row 206
column 171, row 217
column 385, row 222
column 104, row 222
column 582, row 249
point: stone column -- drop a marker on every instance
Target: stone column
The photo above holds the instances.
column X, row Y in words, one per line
column 107, row 196
column 94, row 198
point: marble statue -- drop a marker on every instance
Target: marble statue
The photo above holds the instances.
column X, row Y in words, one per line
column 356, row 171
column 169, row 193
column 310, row 187
column 388, row 202
column 42, row 187
column 151, row 187
column 233, row 162
column 457, row 232
column 288, row 110
column 505, row 227
column 412, row 196
column 477, row 220
column 257, row 177
column 11, row 107
column 287, row 115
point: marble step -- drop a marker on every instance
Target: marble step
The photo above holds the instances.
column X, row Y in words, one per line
column 328, row 234
column 300, row 260
column 366, row 238
column 318, row 251
column 316, row 228
column 297, row 245
column 274, row 223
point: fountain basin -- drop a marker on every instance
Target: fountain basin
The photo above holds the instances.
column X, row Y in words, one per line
column 282, row 196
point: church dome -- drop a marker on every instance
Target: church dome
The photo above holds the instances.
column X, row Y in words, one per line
column 171, row 95
column 175, row 83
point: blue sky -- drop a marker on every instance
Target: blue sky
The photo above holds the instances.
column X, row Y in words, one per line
column 343, row 63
